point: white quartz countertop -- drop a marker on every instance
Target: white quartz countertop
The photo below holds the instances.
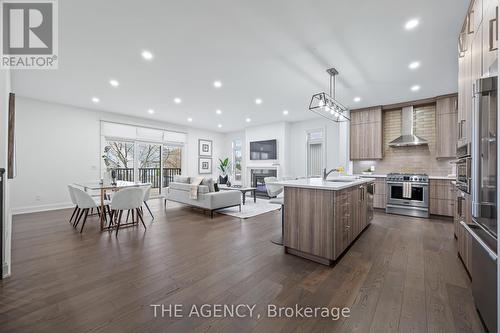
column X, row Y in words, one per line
column 318, row 183
column 430, row 177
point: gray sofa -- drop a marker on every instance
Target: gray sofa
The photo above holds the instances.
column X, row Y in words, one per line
column 208, row 199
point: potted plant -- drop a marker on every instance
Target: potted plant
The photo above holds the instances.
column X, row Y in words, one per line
column 225, row 168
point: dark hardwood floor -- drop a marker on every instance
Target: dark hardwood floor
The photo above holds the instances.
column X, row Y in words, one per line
column 401, row 275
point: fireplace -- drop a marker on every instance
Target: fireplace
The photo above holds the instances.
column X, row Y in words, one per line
column 257, row 178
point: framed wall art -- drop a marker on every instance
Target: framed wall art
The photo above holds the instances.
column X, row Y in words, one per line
column 205, row 148
column 204, row 165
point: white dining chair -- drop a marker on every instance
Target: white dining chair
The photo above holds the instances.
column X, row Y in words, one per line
column 273, row 190
column 147, row 194
column 85, row 203
column 76, row 211
column 126, row 200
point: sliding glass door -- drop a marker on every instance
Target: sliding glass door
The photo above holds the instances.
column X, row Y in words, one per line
column 171, row 161
column 148, row 162
column 149, row 165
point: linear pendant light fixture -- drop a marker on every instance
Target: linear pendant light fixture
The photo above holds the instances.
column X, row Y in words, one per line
column 326, row 105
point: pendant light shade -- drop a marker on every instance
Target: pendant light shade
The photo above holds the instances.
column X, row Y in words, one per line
column 326, row 105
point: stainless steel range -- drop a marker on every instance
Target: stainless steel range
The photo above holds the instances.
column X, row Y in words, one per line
column 408, row 194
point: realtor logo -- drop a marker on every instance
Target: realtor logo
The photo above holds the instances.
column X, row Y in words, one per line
column 29, row 34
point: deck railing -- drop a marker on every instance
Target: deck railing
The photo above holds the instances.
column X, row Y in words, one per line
column 149, row 175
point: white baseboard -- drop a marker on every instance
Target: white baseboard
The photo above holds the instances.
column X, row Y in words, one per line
column 41, row 208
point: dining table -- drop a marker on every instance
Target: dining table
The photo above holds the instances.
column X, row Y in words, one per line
column 103, row 187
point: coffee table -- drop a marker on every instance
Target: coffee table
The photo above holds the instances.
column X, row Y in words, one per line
column 242, row 189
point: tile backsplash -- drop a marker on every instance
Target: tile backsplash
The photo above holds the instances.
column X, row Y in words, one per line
column 418, row 159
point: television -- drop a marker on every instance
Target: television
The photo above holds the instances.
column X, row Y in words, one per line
column 263, row 150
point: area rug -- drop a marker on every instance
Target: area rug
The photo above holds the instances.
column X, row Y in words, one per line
column 250, row 209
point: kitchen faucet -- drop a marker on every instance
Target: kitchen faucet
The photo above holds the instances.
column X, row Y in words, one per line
column 325, row 174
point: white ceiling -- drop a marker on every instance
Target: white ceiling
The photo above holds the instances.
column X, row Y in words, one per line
column 274, row 50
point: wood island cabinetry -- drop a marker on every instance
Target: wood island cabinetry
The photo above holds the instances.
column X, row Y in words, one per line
column 320, row 224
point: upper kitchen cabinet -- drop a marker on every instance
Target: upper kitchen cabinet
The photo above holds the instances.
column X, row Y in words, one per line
column 490, row 37
column 446, row 135
column 475, row 16
column 464, row 122
column 366, row 134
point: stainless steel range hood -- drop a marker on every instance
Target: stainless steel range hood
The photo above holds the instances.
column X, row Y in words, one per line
column 407, row 138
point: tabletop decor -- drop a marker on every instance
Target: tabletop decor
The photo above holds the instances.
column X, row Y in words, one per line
column 225, row 169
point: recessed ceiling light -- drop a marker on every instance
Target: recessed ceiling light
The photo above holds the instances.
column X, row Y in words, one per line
column 411, row 24
column 218, row 111
column 151, row 111
column 285, row 112
column 357, row 99
column 147, row 55
column 114, row 83
column 177, row 100
column 248, row 120
column 219, row 126
column 258, row 101
column 217, row 84
column 95, row 100
column 415, row 88
column 414, row 65
column 190, row 119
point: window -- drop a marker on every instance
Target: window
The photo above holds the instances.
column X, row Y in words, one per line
column 172, row 162
column 142, row 154
column 237, row 160
column 315, row 153
column 149, row 169
column 119, row 156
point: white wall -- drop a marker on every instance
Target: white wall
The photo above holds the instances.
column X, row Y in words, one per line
column 335, row 144
column 192, row 150
column 4, row 107
column 59, row 144
column 278, row 131
column 292, row 145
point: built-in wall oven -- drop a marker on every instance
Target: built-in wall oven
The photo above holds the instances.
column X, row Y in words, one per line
column 483, row 228
column 408, row 194
column 464, row 168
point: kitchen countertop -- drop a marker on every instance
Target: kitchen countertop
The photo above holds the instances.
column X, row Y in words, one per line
column 318, row 183
column 384, row 176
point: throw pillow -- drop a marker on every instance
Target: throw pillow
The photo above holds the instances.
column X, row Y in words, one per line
column 181, row 179
column 196, row 180
column 216, row 187
column 210, row 183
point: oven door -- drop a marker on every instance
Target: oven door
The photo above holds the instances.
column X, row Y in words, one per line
column 464, row 167
column 419, row 195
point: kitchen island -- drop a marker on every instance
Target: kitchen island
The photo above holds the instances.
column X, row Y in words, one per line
column 322, row 218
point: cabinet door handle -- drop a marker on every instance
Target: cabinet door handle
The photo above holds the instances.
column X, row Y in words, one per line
column 494, row 25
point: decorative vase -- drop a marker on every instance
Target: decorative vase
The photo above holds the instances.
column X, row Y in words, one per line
column 228, row 183
column 223, row 180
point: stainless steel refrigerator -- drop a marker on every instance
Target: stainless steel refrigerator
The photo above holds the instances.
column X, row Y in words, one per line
column 484, row 198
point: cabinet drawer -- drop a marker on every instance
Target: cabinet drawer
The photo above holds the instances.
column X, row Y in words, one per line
column 380, row 187
column 442, row 207
column 379, row 201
